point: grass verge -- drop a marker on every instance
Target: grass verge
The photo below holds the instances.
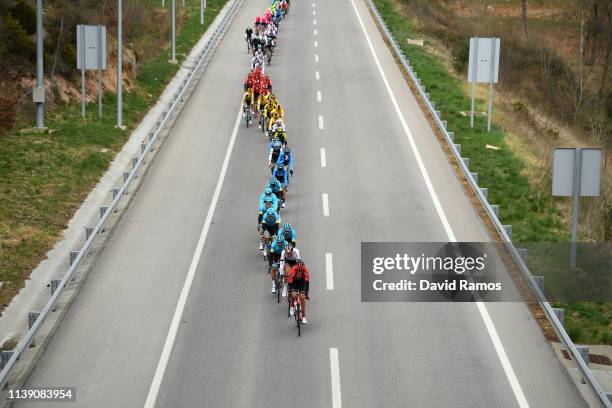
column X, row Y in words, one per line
column 44, row 177
column 531, row 212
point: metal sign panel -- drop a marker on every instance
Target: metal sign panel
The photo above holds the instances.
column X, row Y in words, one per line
column 92, row 52
column 590, row 172
column 484, row 58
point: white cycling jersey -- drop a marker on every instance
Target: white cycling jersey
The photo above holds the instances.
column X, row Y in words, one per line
column 295, row 255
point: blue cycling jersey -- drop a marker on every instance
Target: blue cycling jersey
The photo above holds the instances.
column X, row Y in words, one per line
column 262, row 203
column 280, row 174
column 271, row 220
column 276, row 248
column 286, row 159
column 289, row 234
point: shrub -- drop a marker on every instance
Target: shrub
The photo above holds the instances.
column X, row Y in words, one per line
column 461, row 57
column 25, row 14
column 17, row 40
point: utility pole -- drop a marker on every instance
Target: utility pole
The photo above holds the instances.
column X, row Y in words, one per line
column 173, row 60
column 202, row 7
column 39, row 93
column 119, row 64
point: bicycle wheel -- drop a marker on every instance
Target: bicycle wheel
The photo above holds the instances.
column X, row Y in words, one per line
column 278, row 289
column 298, row 317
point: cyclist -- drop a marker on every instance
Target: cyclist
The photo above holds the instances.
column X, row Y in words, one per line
column 288, row 259
column 281, row 175
column 288, row 233
column 248, row 33
column 277, row 189
column 269, row 225
column 247, row 101
column 286, row 159
column 262, row 202
column 274, row 269
column 299, row 281
column 275, row 250
column 276, row 148
column 257, row 60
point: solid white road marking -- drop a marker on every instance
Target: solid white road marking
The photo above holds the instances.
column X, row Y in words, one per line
column 315, row 31
column 335, row 378
column 499, row 348
column 316, row 57
column 314, row 22
column 325, row 205
column 318, row 96
column 329, row 271
column 313, row 4
column 316, row 44
column 314, row 13
column 321, row 125
column 317, row 76
column 323, row 158
column 180, row 307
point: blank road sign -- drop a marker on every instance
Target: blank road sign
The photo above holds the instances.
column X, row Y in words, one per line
column 563, row 172
column 90, row 48
column 482, row 52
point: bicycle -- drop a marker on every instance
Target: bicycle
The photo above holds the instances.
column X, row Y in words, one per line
column 278, row 281
column 248, row 44
column 297, row 310
column 246, row 113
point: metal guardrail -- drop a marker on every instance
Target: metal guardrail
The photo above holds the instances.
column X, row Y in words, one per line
column 552, row 317
column 77, row 257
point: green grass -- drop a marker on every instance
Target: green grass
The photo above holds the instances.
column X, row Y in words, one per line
column 531, row 213
column 44, row 177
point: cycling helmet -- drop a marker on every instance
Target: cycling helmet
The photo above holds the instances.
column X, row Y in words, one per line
column 288, row 248
column 268, row 200
column 287, row 150
column 268, row 191
column 273, row 181
column 287, row 226
column 270, row 212
column 280, row 239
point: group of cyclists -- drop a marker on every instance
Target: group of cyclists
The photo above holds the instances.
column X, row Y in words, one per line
column 290, row 276
column 261, row 40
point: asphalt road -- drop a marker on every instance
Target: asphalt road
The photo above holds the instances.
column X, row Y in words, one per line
column 233, row 345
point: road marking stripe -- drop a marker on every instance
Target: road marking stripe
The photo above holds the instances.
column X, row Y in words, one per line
column 316, row 57
column 180, row 307
column 314, row 22
column 317, row 76
column 329, row 271
column 318, row 96
column 314, row 13
column 335, row 378
column 323, row 158
column 325, row 205
column 499, row 348
column 321, row 122
column 313, row 4
column 316, row 44
column 315, row 31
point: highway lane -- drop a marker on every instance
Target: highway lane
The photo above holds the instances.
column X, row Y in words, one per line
column 239, row 350
column 234, row 346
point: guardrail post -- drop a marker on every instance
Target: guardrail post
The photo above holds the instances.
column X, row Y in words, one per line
column 432, row 103
column 5, row 357
column 495, row 209
column 439, row 114
column 560, row 313
column 103, row 211
column 444, row 124
column 522, row 253
column 508, row 229
column 32, row 317
column 584, row 354
column 115, row 192
column 143, row 147
column 451, row 135
column 88, row 231
column 73, row 256
column 54, row 285
column 126, row 176
column 134, row 161
column 474, row 176
column 485, row 192
column 466, row 161
column 609, row 395
column 539, row 281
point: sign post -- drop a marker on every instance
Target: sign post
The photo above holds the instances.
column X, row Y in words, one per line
column 91, row 54
column 576, row 173
column 39, row 91
column 483, row 68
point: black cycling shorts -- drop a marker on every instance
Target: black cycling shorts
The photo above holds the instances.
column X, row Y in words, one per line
column 272, row 229
column 298, row 286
